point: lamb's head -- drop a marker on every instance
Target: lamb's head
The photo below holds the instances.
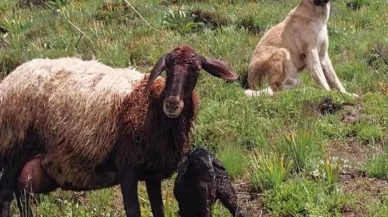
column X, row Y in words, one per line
column 198, row 164
column 182, row 66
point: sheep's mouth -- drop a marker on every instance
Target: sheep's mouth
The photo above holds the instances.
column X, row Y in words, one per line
column 173, row 107
column 172, row 115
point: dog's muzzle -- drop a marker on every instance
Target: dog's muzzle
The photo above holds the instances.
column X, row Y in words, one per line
column 320, row 2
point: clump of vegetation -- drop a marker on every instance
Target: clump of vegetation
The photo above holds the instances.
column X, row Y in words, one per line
column 249, row 24
column 303, row 197
column 211, row 20
column 268, row 171
column 301, row 147
column 180, row 20
column 378, row 56
column 330, row 169
column 171, row 2
column 234, row 159
column 33, row 3
column 356, row 4
column 115, row 12
column 377, row 167
column 368, row 134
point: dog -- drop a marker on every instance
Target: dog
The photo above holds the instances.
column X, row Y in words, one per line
column 300, row 41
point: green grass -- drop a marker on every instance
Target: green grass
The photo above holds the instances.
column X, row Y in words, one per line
column 234, row 159
column 249, row 135
column 303, row 197
column 377, row 167
column 268, row 171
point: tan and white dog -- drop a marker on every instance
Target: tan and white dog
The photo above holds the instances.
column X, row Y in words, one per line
column 300, row 41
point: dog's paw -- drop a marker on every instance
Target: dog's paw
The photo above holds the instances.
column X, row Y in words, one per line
column 251, row 93
column 352, row 95
column 267, row 92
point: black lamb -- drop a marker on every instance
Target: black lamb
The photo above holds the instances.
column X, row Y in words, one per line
column 201, row 180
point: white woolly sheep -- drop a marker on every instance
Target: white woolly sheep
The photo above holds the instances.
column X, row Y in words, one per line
column 81, row 125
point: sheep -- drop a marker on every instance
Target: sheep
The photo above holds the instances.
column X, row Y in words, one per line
column 201, row 180
column 82, row 125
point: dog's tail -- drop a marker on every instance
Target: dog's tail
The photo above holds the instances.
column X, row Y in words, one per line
column 277, row 68
column 256, row 74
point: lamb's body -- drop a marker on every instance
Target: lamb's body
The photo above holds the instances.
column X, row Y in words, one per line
column 201, row 181
column 73, row 110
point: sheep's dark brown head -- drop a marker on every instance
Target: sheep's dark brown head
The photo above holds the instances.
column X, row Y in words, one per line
column 182, row 66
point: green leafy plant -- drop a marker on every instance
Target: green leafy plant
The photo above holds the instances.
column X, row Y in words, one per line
column 330, row 169
column 303, row 197
column 299, row 146
column 180, row 20
column 269, row 171
column 377, row 167
column 234, row 159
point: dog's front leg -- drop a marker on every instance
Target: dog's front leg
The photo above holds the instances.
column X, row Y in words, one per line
column 315, row 68
column 331, row 75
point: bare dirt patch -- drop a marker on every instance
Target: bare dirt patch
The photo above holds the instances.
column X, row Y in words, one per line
column 363, row 190
column 250, row 201
column 352, row 151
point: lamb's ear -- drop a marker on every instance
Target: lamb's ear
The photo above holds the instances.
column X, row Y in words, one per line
column 158, row 68
column 183, row 166
column 217, row 164
column 218, row 68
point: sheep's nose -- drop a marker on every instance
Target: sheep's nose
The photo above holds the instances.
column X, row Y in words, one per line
column 173, row 106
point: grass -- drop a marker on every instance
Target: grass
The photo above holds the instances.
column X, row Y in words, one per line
column 268, row 171
column 234, row 159
column 303, row 197
column 249, row 135
column 377, row 167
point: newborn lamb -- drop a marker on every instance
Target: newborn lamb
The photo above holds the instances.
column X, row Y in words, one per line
column 200, row 182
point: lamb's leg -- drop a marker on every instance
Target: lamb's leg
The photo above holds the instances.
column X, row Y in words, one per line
column 227, row 196
column 154, row 190
column 128, row 182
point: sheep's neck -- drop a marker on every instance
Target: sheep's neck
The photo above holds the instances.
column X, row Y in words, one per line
column 152, row 141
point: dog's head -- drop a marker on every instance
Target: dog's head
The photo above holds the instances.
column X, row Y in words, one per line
column 320, row 2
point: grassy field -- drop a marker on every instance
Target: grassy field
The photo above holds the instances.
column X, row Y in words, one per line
column 302, row 152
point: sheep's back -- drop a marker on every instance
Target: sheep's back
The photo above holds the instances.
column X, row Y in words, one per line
column 67, row 103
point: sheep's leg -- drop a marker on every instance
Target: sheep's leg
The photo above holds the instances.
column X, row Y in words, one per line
column 23, row 202
column 128, row 181
column 154, row 190
column 8, row 185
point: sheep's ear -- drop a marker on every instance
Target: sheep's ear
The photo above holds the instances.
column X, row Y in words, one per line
column 219, row 69
column 157, row 70
column 217, row 164
column 183, row 166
